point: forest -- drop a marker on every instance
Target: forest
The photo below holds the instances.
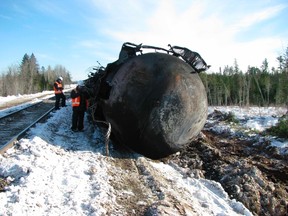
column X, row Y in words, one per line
column 258, row 86
column 255, row 87
column 28, row 77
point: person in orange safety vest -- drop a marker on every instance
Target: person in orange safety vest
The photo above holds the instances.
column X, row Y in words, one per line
column 59, row 95
column 79, row 106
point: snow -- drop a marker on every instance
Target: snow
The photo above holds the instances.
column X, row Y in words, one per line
column 256, row 118
column 34, row 98
column 31, row 98
column 57, row 172
column 253, row 119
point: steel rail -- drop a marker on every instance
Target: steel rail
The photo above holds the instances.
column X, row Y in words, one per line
column 21, row 134
column 42, row 99
column 20, row 109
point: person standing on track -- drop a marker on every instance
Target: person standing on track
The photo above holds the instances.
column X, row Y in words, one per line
column 59, row 95
column 79, row 105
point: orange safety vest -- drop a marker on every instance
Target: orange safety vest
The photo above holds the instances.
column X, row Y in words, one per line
column 76, row 102
column 58, row 91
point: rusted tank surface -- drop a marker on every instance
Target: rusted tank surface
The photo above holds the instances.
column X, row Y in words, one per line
column 156, row 104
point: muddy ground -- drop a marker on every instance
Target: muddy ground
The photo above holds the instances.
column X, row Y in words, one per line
column 249, row 169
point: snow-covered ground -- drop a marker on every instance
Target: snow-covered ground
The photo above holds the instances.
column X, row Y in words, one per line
column 253, row 120
column 54, row 171
column 5, row 102
column 22, row 101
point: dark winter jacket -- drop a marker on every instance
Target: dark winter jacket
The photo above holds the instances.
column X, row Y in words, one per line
column 58, row 87
column 83, row 99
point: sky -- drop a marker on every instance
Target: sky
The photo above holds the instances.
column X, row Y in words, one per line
column 78, row 34
column 52, row 173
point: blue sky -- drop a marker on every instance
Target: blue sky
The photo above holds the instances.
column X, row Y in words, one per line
column 78, row 33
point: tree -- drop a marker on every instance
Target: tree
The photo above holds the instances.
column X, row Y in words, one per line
column 27, row 78
column 282, row 87
column 24, row 74
column 266, row 81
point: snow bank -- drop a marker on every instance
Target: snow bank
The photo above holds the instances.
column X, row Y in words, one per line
column 54, row 171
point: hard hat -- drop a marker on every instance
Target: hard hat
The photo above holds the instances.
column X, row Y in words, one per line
column 60, row 78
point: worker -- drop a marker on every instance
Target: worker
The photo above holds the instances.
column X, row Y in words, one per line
column 59, row 95
column 80, row 104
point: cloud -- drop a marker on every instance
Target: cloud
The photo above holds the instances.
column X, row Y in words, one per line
column 90, row 44
column 92, row 30
column 259, row 16
column 49, row 7
column 206, row 29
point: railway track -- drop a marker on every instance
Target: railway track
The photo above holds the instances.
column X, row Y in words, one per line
column 15, row 124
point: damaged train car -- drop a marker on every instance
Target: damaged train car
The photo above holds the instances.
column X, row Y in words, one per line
column 153, row 98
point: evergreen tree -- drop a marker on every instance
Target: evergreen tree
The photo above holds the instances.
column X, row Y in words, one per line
column 25, row 75
column 27, row 78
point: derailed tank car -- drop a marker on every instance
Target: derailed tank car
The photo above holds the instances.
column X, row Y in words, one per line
column 155, row 102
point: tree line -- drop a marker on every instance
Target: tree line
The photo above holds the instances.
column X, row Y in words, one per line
column 29, row 78
column 256, row 87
